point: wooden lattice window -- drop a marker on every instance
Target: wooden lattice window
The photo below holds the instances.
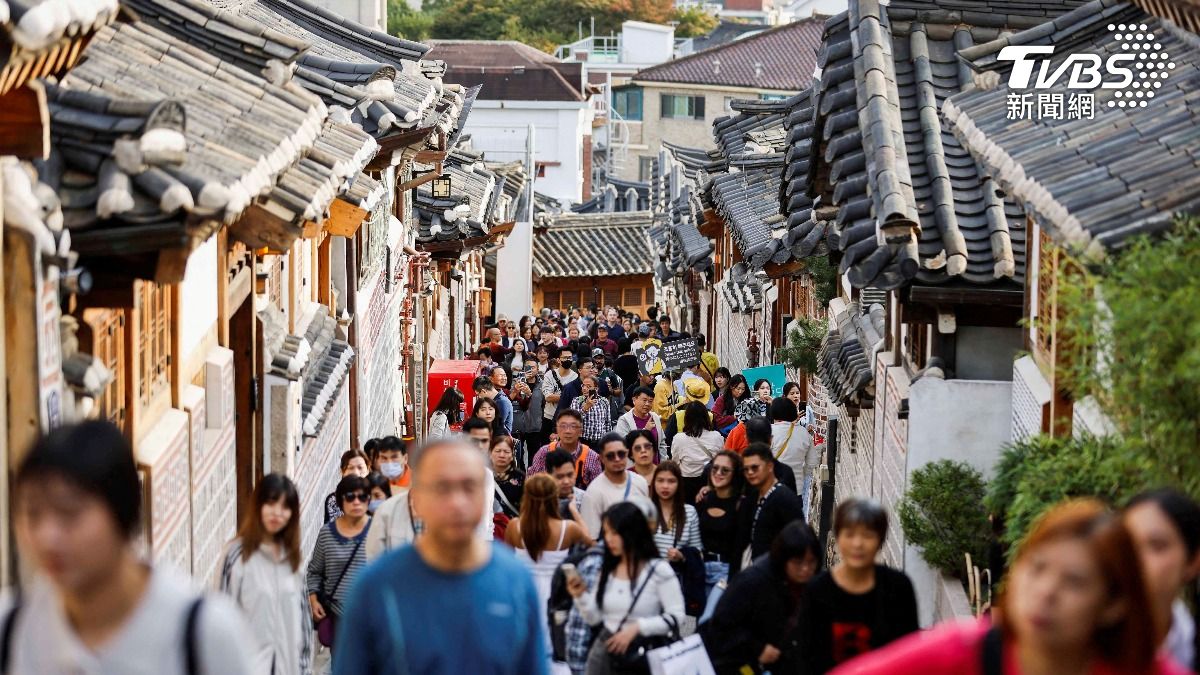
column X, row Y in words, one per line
column 633, row 297
column 275, row 282
column 569, row 298
column 552, row 299
column 612, row 296
column 107, row 330
column 918, row 344
column 153, row 313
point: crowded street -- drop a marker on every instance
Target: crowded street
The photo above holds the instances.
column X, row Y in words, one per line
column 590, row 337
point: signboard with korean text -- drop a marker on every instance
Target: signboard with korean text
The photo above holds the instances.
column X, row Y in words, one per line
column 680, row 354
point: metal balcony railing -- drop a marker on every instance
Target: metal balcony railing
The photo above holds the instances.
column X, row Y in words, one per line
column 594, row 49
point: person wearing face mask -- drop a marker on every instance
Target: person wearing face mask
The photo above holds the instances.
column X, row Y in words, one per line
column 354, row 463
column 381, row 491
column 391, row 460
column 261, row 572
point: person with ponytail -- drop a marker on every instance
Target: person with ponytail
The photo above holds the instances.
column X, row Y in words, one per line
column 543, row 539
column 1165, row 525
column 1074, row 604
column 261, row 572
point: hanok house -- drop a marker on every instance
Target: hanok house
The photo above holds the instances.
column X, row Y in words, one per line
column 1087, row 193
column 600, row 259
column 932, row 252
column 50, row 381
column 257, row 123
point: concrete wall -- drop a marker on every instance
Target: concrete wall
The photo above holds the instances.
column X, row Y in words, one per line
column 986, row 353
column 963, row 420
column 499, row 129
column 370, row 13
column 514, row 273
column 653, row 129
column 646, row 42
column 198, row 297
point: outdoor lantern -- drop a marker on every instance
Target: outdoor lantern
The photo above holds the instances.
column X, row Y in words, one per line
column 441, row 187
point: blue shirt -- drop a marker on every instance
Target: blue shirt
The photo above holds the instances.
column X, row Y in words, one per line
column 484, row 622
column 505, row 411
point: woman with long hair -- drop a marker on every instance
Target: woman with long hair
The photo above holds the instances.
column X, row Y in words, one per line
column 757, row 403
column 637, row 595
column 695, row 447
column 756, row 624
column 678, row 524
column 261, row 572
column 643, row 451
column 725, row 407
column 1074, row 604
column 510, row 481
column 542, row 538
column 447, row 414
column 518, row 357
column 487, row 410
column 718, row 512
column 1165, row 525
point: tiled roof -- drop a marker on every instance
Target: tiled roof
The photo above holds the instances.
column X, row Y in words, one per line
column 618, row 195
column 880, row 159
column 509, row 71
column 319, row 359
column 781, row 58
column 742, row 290
column 748, row 202
column 469, row 213
column 152, row 134
column 1093, row 183
column 845, row 362
column 756, row 129
column 674, row 191
column 594, row 245
column 515, row 197
column 34, row 25
column 724, row 33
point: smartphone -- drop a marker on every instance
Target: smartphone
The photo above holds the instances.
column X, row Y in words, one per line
column 569, row 570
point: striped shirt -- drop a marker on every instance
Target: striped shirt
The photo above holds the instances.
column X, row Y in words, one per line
column 331, row 554
column 691, row 533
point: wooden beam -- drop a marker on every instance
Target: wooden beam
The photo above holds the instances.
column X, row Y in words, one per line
column 430, row 156
column 172, row 265
column 25, row 122
column 345, row 218
column 994, row 297
column 258, row 228
column 713, row 225
column 421, row 179
column 787, row 269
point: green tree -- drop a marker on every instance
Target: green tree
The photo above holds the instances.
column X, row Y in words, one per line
column 804, row 345
column 693, row 22
column 942, row 513
column 471, row 19
column 1133, row 323
column 408, row 23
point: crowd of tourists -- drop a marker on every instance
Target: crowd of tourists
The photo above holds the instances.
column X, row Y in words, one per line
column 582, row 517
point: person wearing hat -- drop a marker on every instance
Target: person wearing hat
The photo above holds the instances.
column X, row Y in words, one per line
column 691, row 373
column 603, row 342
column 696, row 390
column 644, row 331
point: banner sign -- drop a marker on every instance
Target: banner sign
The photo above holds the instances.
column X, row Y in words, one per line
column 650, row 357
column 680, row 354
column 776, row 375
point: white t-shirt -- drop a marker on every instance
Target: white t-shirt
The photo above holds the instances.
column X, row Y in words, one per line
column 552, row 386
column 603, row 493
column 799, row 453
column 152, row 641
column 693, row 453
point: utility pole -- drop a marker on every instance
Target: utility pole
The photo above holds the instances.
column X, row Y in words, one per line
column 531, row 168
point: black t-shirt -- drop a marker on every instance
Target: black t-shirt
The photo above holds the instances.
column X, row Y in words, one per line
column 719, row 533
column 842, row 625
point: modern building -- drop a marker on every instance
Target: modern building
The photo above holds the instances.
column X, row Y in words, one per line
column 678, row 101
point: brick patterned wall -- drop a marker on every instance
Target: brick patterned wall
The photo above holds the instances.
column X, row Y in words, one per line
column 214, row 467
column 379, row 351
column 891, row 451
column 731, row 337
column 163, row 457
column 317, row 469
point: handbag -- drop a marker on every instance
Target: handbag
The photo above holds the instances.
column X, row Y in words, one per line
column 634, row 657
column 685, row 657
column 326, row 628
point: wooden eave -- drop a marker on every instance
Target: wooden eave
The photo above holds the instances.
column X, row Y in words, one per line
column 345, row 218
column 787, row 269
column 24, row 65
column 25, row 122
column 259, row 228
column 713, row 225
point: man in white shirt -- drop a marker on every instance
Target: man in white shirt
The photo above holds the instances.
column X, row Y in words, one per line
column 613, row 486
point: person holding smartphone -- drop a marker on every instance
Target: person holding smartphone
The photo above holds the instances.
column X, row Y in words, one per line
column 597, row 415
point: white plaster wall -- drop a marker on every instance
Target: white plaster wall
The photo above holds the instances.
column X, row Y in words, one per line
column 514, row 273
column 646, row 43
column 986, row 353
column 963, row 420
column 499, row 129
column 198, row 297
column 370, row 13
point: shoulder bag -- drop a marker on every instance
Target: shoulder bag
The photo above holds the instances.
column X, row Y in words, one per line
column 634, row 658
column 326, row 627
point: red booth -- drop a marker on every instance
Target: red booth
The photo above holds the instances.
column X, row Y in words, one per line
column 445, row 374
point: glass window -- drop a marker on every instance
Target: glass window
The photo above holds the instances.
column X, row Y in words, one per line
column 675, row 106
column 772, row 97
column 628, row 103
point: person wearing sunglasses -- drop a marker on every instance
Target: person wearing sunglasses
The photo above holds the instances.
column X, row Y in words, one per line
column 719, row 517
column 338, row 556
column 613, row 486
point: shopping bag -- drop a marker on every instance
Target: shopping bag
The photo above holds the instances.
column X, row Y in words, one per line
column 683, row 657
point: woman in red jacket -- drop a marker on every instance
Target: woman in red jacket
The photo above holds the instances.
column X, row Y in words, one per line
column 1075, row 605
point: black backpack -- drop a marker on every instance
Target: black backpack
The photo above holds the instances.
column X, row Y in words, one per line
column 190, row 653
column 558, row 607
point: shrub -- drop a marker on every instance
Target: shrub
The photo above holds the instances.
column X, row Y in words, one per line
column 803, row 345
column 942, row 512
